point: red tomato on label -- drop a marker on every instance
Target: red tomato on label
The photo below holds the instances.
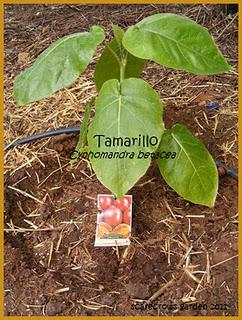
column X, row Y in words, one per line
column 126, row 216
column 100, row 217
column 113, row 216
column 105, row 202
column 122, row 203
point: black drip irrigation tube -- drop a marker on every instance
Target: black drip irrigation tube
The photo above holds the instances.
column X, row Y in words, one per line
column 222, row 169
column 41, row 136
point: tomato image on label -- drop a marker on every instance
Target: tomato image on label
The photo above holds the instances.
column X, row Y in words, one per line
column 113, row 221
column 122, row 203
column 105, row 202
column 113, row 216
column 100, row 217
column 127, row 216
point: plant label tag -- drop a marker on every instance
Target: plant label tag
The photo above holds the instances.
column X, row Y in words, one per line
column 114, row 219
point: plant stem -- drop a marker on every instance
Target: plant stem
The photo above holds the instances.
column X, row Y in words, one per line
column 122, row 67
column 122, row 70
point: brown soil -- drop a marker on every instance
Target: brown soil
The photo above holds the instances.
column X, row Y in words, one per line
column 51, row 265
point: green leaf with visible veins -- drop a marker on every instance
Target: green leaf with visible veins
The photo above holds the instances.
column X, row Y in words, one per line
column 193, row 173
column 108, row 66
column 129, row 109
column 58, row 66
column 175, row 42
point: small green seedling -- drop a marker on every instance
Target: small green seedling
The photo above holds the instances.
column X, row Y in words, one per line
column 127, row 131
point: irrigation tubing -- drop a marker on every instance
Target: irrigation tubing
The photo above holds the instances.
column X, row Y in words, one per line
column 42, row 136
column 223, row 170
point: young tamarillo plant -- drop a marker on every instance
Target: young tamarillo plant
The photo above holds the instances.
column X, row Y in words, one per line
column 127, row 131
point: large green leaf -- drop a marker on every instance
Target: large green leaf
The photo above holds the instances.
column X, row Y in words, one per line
column 130, row 109
column 175, row 42
column 58, row 66
column 192, row 173
column 108, row 66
